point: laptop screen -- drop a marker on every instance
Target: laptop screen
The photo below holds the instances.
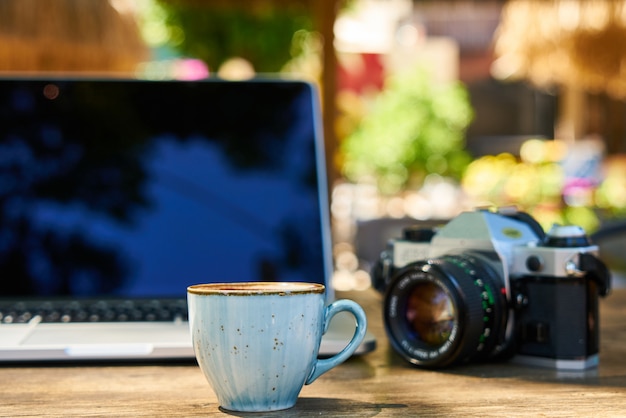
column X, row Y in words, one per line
column 141, row 188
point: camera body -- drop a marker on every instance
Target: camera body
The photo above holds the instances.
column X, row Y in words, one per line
column 491, row 285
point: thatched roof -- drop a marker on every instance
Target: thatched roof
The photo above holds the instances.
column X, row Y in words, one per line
column 68, row 36
column 572, row 43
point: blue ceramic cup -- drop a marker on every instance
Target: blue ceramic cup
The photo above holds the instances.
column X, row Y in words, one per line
column 257, row 343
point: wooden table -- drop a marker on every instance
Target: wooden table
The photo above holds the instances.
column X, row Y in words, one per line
column 375, row 384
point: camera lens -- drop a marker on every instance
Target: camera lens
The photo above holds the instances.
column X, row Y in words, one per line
column 447, row 310
column 430, row 314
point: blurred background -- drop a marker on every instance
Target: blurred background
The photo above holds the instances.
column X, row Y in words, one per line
column 431, row 107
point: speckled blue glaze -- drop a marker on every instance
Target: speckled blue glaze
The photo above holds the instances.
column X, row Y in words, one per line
column 258, row 349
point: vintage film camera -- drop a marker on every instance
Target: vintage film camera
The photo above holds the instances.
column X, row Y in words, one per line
column 489, row 285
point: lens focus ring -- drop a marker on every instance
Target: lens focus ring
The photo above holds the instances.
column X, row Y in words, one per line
column 445, row 311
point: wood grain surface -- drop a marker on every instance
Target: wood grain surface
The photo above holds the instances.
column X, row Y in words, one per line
column 375, row 384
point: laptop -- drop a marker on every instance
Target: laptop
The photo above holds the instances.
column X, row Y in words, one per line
column 115, row 195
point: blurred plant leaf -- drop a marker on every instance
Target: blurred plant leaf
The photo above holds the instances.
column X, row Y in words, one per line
column 416, row 127
column 216, row 33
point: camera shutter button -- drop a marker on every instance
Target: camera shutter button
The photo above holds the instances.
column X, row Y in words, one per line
column 534, row 263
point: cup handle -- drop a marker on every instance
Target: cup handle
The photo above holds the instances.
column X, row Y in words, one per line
column 321, row 366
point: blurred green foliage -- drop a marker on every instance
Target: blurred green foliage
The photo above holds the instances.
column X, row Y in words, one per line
column 416, row 127
column 263, row 36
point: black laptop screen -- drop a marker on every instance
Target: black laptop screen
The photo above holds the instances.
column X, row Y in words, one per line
column 141, row 188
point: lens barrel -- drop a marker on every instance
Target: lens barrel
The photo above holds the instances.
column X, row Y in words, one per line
column 447, row 310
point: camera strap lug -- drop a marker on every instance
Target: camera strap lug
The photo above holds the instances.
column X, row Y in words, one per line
column 594, row 269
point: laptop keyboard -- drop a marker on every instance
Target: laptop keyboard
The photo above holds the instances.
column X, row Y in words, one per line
column 94, row 311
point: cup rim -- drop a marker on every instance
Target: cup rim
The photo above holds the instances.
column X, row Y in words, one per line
column 256, row 288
